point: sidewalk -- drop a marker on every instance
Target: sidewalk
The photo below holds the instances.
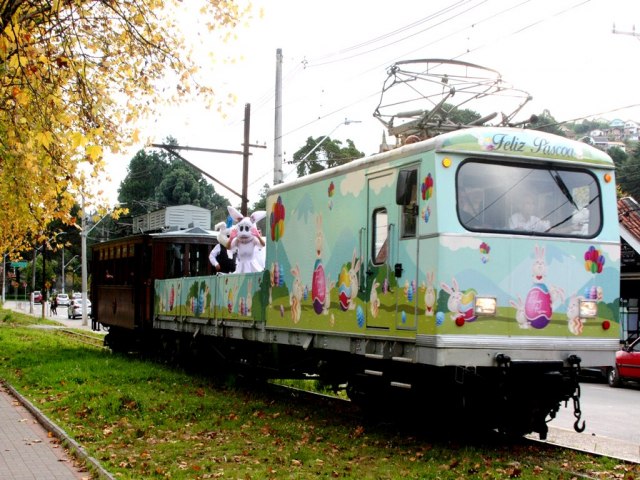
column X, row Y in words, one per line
column 29, row 442
column 28, row 451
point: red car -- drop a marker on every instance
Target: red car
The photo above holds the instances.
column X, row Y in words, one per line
column 627, row 365
column 37, row 296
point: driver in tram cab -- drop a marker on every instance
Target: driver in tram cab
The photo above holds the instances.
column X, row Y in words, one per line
column 526, row 219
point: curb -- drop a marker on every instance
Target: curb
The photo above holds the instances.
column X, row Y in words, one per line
column 59, row 433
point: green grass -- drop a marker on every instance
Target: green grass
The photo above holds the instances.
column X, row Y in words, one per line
column 144, row 420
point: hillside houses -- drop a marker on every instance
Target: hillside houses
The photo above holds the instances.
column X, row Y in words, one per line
column 618, row 134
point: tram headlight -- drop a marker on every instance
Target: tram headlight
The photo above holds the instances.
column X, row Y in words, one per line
column 485, row 306
column 588, row 309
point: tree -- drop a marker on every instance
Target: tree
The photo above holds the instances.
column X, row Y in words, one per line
column 261, row 203
column 628, row 178
column 325, row 153
column 156, row 179
column 546, row 123
column 76, row 76
column 144, row 174
column 183, row 184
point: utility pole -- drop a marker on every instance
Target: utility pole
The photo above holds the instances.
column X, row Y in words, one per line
column 277, row 139
column 632, row 32
column 245, row 158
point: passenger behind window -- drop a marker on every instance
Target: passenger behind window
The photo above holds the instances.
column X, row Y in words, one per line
column 526, row 219
column 470, row 207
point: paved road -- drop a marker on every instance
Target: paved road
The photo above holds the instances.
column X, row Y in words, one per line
column 36, row 310
column 608, row 412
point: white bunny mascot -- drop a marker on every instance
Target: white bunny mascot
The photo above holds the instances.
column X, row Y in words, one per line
column 221, row 257
column 246, row 240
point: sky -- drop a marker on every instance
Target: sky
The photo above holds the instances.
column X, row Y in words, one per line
column 564, row 53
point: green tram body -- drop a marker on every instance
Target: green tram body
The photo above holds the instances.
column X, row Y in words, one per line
column 404, row 269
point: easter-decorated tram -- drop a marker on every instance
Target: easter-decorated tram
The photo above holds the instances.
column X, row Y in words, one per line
column 476, row 271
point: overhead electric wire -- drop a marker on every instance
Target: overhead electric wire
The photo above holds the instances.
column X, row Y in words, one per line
column 392, row 33
column 401, row 39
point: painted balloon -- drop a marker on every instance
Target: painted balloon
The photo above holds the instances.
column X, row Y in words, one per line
column 427, row 187
column 593, row 260
column 276, row 220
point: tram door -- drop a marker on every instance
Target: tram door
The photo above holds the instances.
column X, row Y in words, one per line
column 405, row 263
column 379, row 249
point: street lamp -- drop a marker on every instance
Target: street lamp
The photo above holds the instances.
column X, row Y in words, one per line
column 64, row 266
column 84, row 232
column 346, row 122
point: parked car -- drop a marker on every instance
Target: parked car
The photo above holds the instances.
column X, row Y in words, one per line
column 75, row 308
column 627, row 365
column 37, row 296
column 62, row 299
column 76, row 295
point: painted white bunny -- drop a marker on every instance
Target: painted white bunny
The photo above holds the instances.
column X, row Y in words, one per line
column 355, row 282
column 327, row 295
column 374, row 301
column 429, row 295
column 520, row 315
column 246, row 240
column 295, row 297
column 455, row 297
column 539, row 270
column 319, row 236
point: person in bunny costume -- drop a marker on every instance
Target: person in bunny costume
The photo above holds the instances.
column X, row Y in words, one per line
column 221, row 257
column 246, row 241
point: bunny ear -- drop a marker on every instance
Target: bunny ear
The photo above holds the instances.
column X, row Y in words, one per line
column 220, row 226
column 257, row 216
column 237, row 216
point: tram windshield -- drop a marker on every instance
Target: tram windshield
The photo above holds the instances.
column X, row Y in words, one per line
column 528, row 200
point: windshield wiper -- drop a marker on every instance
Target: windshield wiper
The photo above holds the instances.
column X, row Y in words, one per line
column 562, row 186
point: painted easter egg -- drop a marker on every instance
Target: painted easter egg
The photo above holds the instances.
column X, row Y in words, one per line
column 537, row 306
column 360, row 316
column 318, row 287
column 439, row 318
column 344, row 289
column 200, row 303
column 467, row 305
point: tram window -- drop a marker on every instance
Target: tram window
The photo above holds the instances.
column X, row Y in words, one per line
column 528, row 201
column 380, row 236
column 198, row 260
column 407, row 198
column 175, row 256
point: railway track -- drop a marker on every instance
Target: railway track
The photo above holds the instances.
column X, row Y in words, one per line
column 91, row 340
column 558, row 437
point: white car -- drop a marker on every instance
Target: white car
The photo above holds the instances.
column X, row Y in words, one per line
column 62, row 299
column 75, row 308
column 76, row 295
